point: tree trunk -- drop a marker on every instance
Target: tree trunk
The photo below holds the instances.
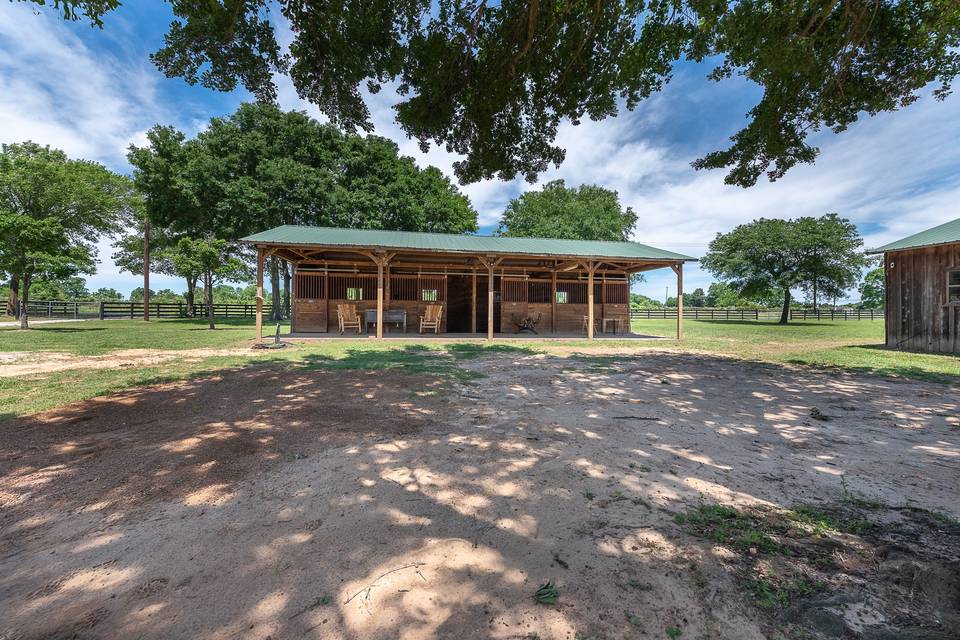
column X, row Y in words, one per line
column 208, row 287
column 276, row 311
column 785, row 315
column 24, row 299
column 286, row 289
column 14, row 296
column 814, row 295
column 191, row 296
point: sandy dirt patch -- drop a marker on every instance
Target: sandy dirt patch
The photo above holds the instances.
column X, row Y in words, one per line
column 313, row 504
column 24, row 363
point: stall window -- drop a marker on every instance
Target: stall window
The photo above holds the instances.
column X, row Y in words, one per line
column 562, row 297
column 354, row 293
column 430, row 295
column 953, row 286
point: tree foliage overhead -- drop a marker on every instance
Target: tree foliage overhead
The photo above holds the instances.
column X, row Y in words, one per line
column 588, row 212
column 769, row 255
column 263, row 167
column 493, row 80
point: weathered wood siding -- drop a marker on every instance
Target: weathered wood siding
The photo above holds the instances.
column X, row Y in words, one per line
column 919, row 313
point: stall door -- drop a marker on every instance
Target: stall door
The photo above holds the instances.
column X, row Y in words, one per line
column 309, row 302
column 513, row 300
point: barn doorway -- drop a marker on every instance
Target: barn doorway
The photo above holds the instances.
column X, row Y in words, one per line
column 459, row 303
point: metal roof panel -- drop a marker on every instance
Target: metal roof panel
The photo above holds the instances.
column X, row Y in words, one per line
column 450, row 242
column 946, row 233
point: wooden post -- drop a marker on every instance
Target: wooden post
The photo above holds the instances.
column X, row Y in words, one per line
column 260, row 258
column 146, row 269
column 380, row 297
column 473, row 303
column 678, row 269
column 590, row 268
column 553, row 301
column 490, row 302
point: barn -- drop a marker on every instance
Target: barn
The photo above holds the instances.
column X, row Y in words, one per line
column 923, row 290
column 389, row 281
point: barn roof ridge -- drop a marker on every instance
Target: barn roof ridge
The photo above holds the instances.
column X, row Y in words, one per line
column 946, row 233
column 459, row 242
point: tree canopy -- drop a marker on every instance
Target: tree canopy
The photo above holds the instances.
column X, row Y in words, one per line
column 769, row 255
column 873, row 289
column 262, row 167
column 588, row 212
column 493, row 81
column 52, row 212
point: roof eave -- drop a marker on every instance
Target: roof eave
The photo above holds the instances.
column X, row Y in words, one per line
column 678, row 258
column 888, row 249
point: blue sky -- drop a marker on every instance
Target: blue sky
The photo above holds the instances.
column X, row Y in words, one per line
column 92, row 92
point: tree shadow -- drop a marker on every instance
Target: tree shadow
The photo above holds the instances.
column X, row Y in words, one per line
column 330, row 501
column 764, row 323
column 42, row 328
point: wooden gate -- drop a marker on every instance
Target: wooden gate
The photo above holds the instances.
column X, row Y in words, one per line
column 513, row 300
column 310, row 302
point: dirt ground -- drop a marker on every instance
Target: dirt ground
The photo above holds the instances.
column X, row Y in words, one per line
column 25, row 363
column 339, row 504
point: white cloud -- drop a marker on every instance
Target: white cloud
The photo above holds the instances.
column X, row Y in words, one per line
column 56, row 90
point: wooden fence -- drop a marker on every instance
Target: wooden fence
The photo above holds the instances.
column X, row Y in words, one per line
column 115, row 309
column 705, row 313
column 837, row 314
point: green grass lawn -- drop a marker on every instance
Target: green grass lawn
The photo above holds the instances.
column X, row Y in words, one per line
column 844, row 345
column 96, row 337
column 854, row 345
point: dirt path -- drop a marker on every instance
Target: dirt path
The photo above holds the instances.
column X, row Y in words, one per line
column 376, row 506
column 21, row 363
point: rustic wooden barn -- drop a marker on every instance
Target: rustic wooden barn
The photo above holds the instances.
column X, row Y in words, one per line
column 923, row 290
column 484, row 284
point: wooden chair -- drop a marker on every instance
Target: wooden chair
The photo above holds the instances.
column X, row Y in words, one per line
column 431, row 318
column 348, row 317
column 586, row 321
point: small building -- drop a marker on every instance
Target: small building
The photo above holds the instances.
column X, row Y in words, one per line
column 923, row 290
column 486, row 285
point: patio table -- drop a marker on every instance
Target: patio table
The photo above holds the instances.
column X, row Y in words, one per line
column 390, row 316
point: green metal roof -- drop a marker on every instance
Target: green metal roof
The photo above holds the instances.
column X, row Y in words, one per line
column 458, row 243
column 946, row 233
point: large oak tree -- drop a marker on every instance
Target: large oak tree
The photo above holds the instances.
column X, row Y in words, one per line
column 769, row 256
column 493, row 80
column 588, row 212
column 52, row 212
column 262, row 167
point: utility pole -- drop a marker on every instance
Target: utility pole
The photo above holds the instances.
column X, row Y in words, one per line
column 146, row 269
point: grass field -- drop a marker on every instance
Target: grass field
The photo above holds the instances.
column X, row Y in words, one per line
column 841, row 345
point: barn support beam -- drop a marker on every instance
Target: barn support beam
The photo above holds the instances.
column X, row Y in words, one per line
column 490, row 262
column 553, row 301
column 260, row 259
column 473, row 301
column 678, row 269
column 591, row 267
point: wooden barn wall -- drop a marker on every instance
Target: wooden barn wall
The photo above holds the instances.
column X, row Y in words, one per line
column 919, row 316
column 521, row 297
column 316, row 295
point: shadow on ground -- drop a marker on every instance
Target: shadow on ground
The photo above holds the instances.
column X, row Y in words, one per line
column 382, row 495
